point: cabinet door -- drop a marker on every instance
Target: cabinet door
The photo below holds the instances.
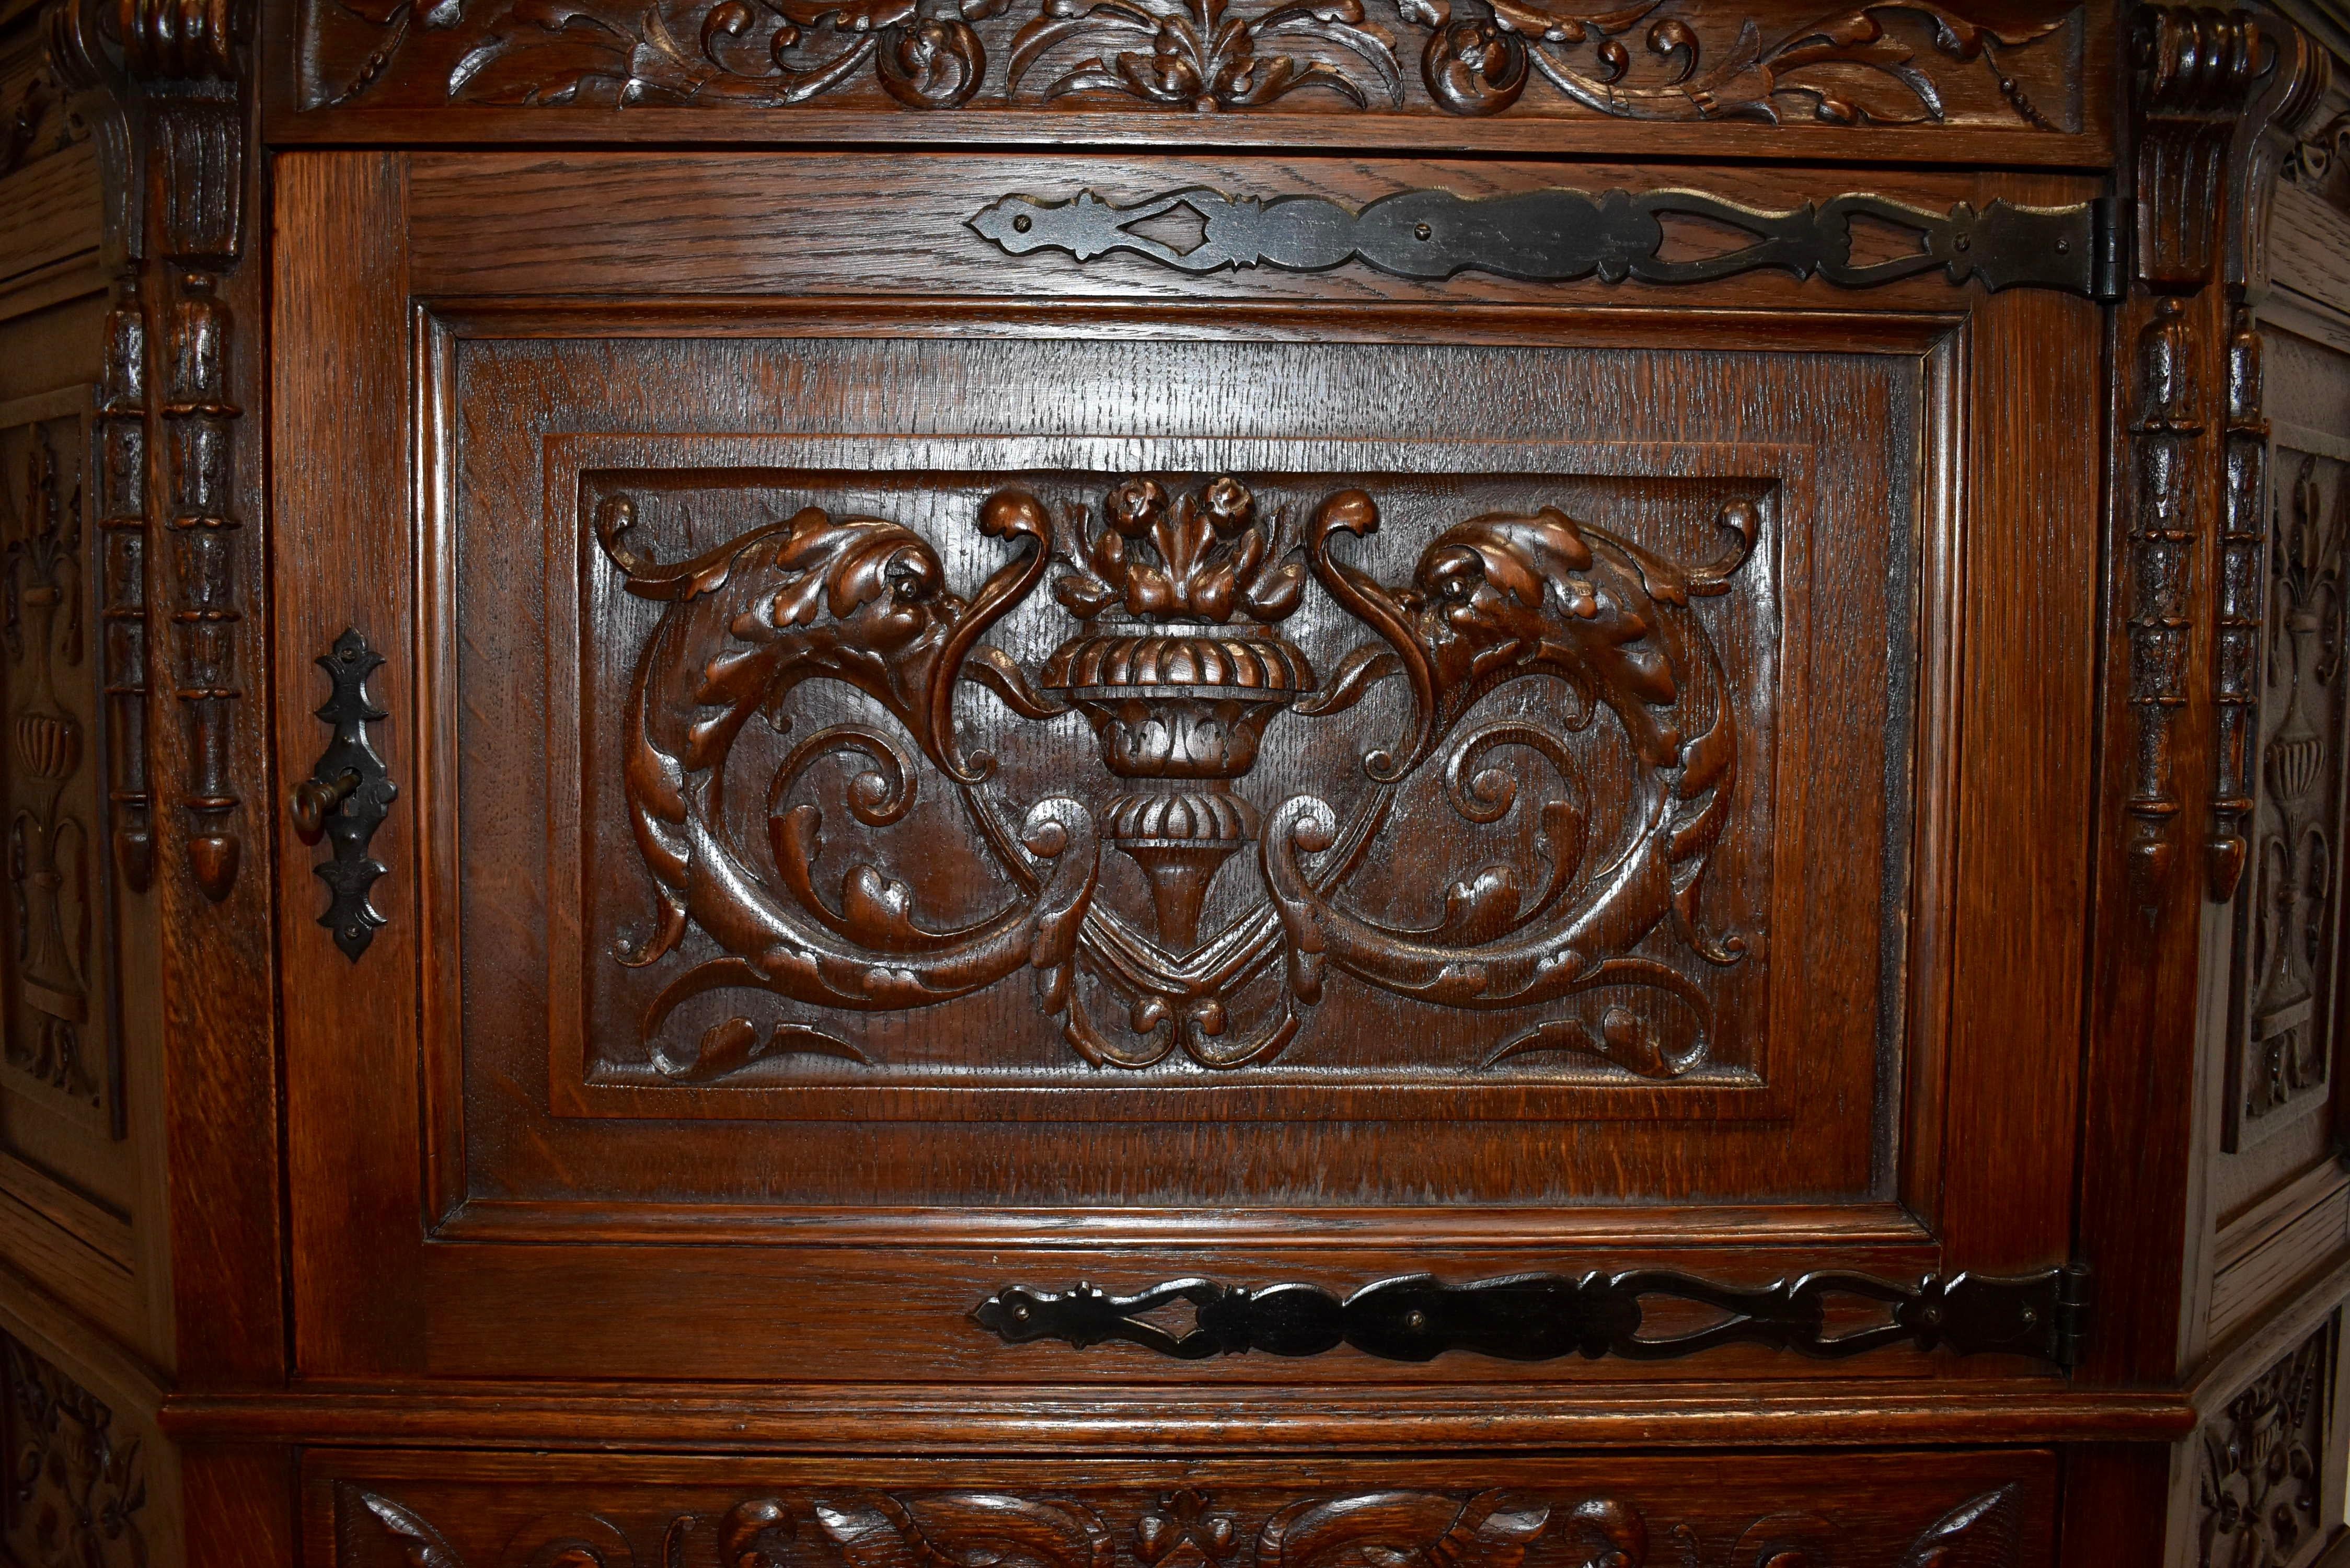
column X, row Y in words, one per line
column 935, row 762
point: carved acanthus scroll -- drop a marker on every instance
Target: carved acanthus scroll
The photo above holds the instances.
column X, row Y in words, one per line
column 1406, row 1528
column 1179, row 664
column 1893, row 62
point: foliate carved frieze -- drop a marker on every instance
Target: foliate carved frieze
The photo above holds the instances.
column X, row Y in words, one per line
column 1191, row 1527
column 76, row 1493
column 1535, row 673
column 2259, row 1486
column 1902, row 62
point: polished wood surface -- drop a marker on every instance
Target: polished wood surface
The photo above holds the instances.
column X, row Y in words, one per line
column 1591, row 812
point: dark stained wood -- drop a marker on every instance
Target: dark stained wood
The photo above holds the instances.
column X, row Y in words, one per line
column 348, row 503
column 929, row 766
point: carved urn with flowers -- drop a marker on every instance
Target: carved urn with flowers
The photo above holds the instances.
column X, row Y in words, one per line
column 1179, row 668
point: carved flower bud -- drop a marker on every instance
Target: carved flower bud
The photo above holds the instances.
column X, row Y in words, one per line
column 1231, row 507
column 1013, row 514
column 1134, row 506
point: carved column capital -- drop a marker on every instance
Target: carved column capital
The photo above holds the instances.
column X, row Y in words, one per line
column 2195, row 69
column 190, row 40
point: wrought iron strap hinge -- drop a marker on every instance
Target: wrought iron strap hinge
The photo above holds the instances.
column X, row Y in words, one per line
column 1541, row 1317
column 1558, row 235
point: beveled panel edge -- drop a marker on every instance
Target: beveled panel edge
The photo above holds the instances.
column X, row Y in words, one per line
column 1841, row 1226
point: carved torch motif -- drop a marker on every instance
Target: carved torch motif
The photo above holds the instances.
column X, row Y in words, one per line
column 1180, row 664
column 49, row 847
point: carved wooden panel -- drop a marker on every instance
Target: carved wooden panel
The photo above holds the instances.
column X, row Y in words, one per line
column 2259, row 1486
column 1903, row 64
column 2285, row 973
column 1591, row 698
column 1175, row 778
column 1434, row 766
column 61, row 1049
column 1950, row 1510
column 77, row 1495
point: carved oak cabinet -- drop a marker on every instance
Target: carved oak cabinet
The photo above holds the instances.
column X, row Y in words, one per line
column 1174, row 784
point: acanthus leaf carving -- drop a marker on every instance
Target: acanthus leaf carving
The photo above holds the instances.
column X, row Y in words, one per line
column 863, row 602
column 1495, row 599
column 965, row 1530
column 1844, row 68
column 1895, row 62
column 1179, row 664
column 1494, row 1528
column 1196, row 53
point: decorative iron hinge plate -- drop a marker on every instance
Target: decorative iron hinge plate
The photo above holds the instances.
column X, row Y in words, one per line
column 1540, row 1317
column 1559, row 235
column 348, row 796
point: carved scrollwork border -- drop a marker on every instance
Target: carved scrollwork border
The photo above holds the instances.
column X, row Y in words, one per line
column 1906, row 63
column 1194, row 1526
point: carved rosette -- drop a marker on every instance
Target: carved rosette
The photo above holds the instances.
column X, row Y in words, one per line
column 1180, row 665
column 1497, row 1527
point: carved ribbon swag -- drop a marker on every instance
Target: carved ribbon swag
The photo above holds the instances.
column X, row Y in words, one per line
column 1179, row 664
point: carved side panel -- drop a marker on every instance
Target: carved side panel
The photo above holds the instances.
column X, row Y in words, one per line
column 77, row 1481
column 2284, row 959
column 1905, row 63
column 1650, row 1522
column 61, row 1048
column 2260, row 1488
